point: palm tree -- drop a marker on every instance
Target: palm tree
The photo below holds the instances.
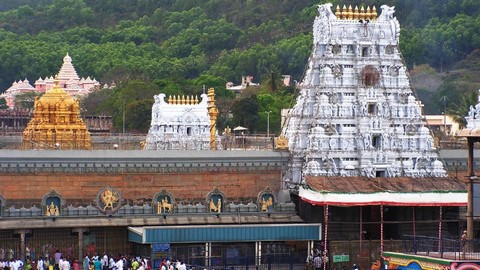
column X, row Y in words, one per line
column 272, row 80
column 460, row 111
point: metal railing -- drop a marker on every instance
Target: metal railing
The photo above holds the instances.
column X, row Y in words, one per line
column 453, row 249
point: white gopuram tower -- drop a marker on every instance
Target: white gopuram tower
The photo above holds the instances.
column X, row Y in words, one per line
column 356, row 114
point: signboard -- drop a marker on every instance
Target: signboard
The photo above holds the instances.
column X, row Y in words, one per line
column 341, row 258
column 160, row 247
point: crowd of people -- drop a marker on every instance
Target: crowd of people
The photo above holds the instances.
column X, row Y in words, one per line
column 105, row 262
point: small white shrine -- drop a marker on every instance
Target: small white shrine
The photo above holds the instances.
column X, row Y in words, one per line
column 183, row 123
column 356, row 114
column 473, row 118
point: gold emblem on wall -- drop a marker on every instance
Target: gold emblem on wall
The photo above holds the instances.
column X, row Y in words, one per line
column 52, row 210
column 215, row 201
column 163, row 203
column 52, row 204
column 266, row 200
column 108, row 199
column 163, row 206
column 216, row 207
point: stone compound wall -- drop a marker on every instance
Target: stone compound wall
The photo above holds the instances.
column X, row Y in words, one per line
column 29, row 189
column 79, row 176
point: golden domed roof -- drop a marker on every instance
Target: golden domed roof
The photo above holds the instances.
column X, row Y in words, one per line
column 56, row 123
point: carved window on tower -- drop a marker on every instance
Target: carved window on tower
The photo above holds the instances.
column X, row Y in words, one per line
column 410, row 130
column 330, row 130
column 350, row 49
column 333, row 98
column 337, row 71
column 377, row 141
column 372, row 108
column 390, row 49
column 365, row 51
column 370, row 75
column 336, row 49
column 393, row 71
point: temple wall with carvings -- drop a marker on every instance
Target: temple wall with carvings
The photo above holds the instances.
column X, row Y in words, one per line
column 137, row 188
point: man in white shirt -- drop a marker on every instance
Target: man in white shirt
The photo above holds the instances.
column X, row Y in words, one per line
column 111, row 263
column 40, row 264
column 105, row 262
column 181, row 266
column 64, row 265
column 119, row 264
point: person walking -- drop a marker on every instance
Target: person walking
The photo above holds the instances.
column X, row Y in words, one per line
column 317, row 262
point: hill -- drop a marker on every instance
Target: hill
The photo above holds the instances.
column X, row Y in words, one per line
column 177, row 46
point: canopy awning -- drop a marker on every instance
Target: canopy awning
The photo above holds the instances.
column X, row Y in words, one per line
column 224, row 233
column 398, row 191
column 384, row 198
column 240, row 128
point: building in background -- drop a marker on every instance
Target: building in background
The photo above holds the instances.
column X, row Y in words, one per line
column 68, row 80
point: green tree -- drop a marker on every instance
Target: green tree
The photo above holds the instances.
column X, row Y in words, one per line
column 3, row 104
column 245, row 112
column 97, row 103
column 26, row 100
column 139, row 115
column 460, row 110
column 132, row 100
column 272, row 81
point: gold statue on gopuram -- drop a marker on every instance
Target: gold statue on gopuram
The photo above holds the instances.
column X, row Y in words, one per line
column 56, row 123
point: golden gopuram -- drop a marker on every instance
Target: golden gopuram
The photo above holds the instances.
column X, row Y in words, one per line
column 56, row 123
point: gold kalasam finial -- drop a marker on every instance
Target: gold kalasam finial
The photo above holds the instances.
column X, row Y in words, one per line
column 355, row 13
column 362, row 13
column 174, row 100
column 374, row 14
column 344, row 12
column 338, row 13
column 350, row 12
column 368, row 14
column 196, row 99
column 183, row 100
column 169, row 99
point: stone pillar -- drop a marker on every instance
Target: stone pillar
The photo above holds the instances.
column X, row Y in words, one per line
column 22, row 234
column 208, row 253
column 80, row 232
column 258, row 254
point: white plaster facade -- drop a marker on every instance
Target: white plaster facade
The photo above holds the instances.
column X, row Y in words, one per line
column 182, row 123
column 356, row 114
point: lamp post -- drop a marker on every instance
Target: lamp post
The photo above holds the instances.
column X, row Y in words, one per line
column 268, row 123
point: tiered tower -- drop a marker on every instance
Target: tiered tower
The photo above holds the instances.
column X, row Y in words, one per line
column 69, row 80
column 56, row 123
column 356, row 114
column 183, row 123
